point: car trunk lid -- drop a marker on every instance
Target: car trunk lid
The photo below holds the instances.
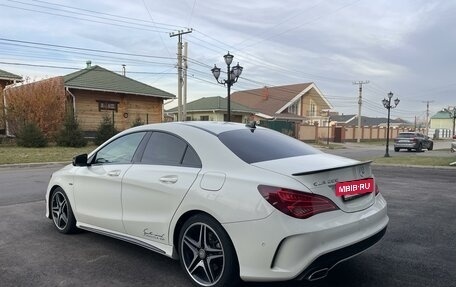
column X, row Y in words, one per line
column 320, row 173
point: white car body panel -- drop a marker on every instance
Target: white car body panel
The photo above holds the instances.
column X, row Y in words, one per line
column 302, row 240
column 149, row 244
column 97, row 195
column 151, row 195
column 323, row 182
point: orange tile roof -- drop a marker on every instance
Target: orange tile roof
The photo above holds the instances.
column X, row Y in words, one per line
column 268, row 100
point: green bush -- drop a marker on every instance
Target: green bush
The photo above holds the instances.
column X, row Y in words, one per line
column 71, row 134
column 105, row 131
column 30, row 135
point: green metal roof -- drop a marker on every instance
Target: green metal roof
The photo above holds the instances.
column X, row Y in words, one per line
column 4, row 75
column 97, row 78
column 442, row 115
column 213, row 104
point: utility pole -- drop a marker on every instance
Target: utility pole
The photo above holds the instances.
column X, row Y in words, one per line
column 427, row 116
column 179, row 70
column 184, row 98
column 453, row 115
column 360, row 103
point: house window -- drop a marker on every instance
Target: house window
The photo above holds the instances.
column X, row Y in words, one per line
column 293, row 109
column 204, row 118
column 313, row 109
column 107, row 106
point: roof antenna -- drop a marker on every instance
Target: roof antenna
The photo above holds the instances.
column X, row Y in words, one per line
column 251, row 125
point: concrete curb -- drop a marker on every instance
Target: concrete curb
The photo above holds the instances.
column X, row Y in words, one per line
column 34, row 164
column 415, row 166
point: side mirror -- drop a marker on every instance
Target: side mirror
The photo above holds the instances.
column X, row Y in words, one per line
column 80, row 160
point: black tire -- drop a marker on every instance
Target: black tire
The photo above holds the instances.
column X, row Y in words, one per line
column 431, row 146
column 419, row 148
column 396, row 149
column 61, row 212
column 211, row 262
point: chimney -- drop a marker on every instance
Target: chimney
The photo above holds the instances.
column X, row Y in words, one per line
column 124, row 71
column 89, row 64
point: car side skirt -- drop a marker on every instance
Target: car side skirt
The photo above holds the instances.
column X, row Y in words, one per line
column 159, row 248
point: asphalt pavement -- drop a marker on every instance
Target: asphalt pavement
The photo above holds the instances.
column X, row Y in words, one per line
column 417, row 250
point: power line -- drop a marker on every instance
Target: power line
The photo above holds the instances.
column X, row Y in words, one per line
column 79, row 18
column 91, row 11
column 82, row 49
column 248, row 57
column 301, row 25
column 75, row 68
column 108, row 14
column 161, row 38
column 137, row 23
column 290, row 17
column 191, row 12
column 121, row 60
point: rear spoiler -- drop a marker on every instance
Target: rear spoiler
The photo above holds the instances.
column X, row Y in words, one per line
column 332, row 168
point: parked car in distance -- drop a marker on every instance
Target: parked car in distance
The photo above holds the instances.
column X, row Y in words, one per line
column 230, row 201
column 413, row 140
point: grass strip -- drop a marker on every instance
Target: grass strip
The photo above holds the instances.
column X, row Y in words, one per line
column 14, row 155
column 416, row 160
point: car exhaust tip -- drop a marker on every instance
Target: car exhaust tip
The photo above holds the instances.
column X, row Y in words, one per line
column 319, row 274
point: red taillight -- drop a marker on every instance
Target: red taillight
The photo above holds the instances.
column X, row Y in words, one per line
column 294, row 203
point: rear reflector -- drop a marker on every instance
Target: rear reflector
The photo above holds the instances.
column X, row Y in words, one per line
column 294, row 203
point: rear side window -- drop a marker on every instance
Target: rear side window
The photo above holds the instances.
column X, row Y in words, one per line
column 263, row 145
column 167, row 149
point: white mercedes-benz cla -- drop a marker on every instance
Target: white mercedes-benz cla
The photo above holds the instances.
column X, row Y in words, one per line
column 230, row 201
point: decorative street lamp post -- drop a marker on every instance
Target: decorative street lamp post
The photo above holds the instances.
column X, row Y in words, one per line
column 232, row 77
column 387, row 104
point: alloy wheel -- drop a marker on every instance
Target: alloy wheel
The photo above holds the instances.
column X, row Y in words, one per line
column 202, row 253
column 60, row 212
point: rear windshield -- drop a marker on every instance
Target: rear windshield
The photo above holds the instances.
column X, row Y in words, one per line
column 407, row 135
column 263, row 145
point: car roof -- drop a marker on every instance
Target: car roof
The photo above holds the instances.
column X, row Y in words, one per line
column 211, row 127
column 216, row 127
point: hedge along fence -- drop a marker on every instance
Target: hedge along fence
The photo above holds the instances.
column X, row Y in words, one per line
column 349, row 133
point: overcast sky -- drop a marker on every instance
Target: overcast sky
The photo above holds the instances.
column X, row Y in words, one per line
column 407, row 47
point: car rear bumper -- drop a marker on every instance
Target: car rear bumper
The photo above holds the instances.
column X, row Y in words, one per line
column 280, row 247
column 320, row 266
column 405, row 145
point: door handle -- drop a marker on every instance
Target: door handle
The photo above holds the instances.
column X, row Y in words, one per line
column 114, row 172
column 169, row 179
